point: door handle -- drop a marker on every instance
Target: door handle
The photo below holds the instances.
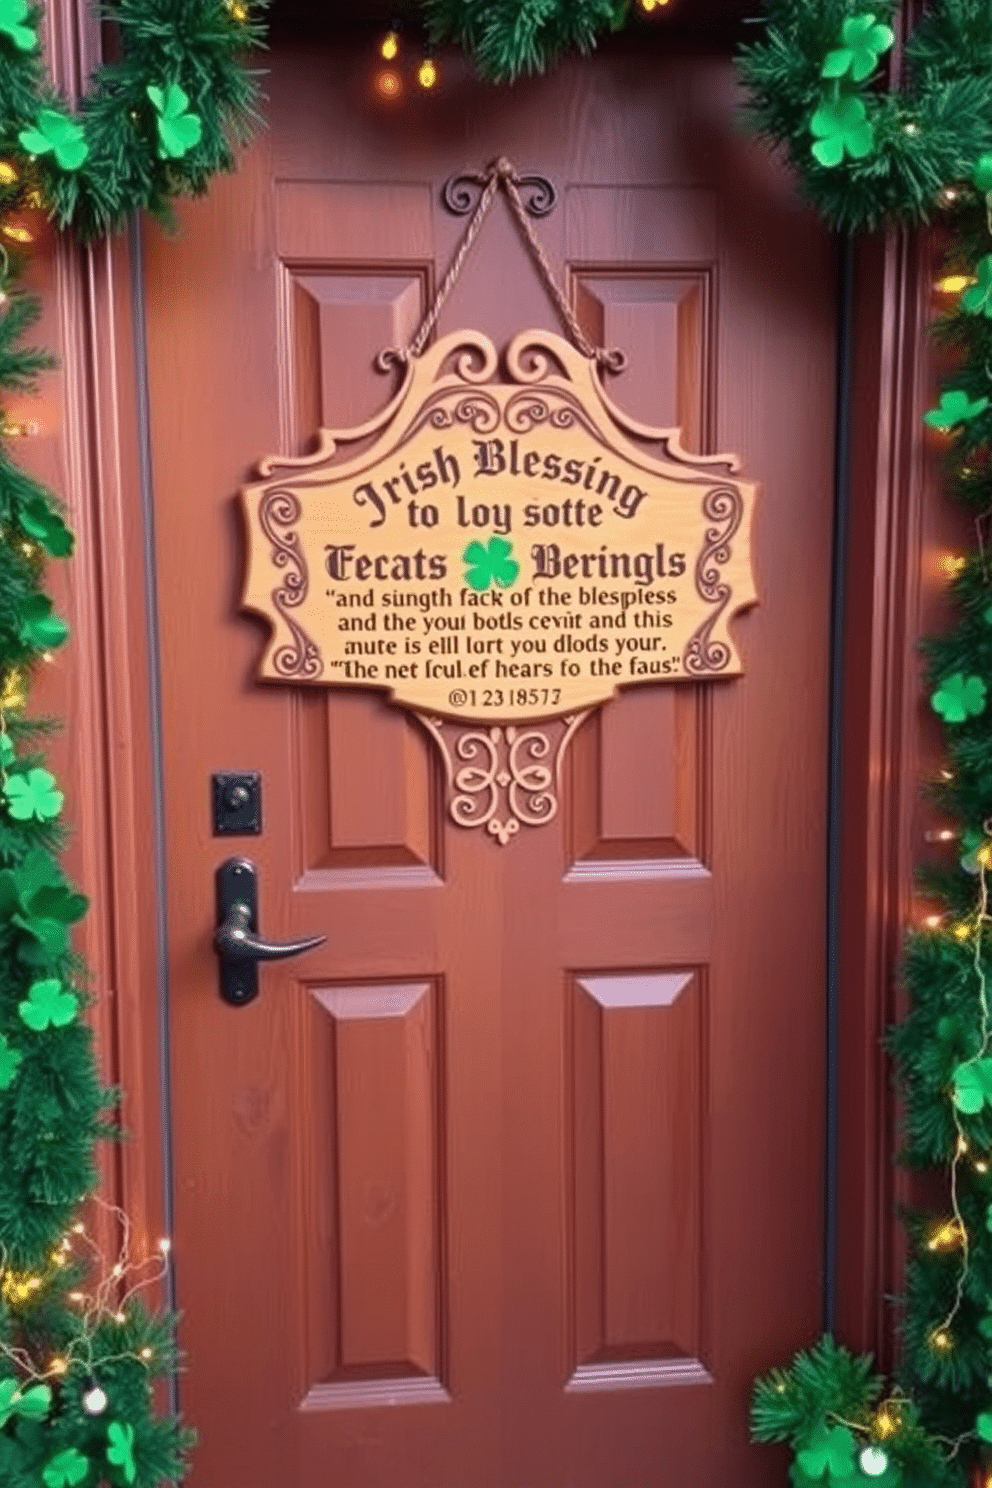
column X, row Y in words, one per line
column 238, row 945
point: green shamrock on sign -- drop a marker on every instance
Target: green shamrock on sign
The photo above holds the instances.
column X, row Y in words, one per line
column 55, row 134
column 491, row 564
column 954, row 408
column 830, row 1449
column 972, row 1087
column 48, row 1004
column 33, row 794
column 843, row 127
column 959, row 697
column 120, row 1451
column 66, row 1469
column 864, row 42
column 978, row 299
column 39, row 625
column 10, row 1061
column 46, row 526
column 12, row 13
column 178, row 130
column 33, row 1404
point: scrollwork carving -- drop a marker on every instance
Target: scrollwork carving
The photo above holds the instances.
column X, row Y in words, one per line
column 278, row 512
column 723, row 505
column 501, row 778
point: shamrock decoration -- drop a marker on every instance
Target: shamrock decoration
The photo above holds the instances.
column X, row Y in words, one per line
column 44, row 525
column 864, row 42
column 7, row 751
column 66, row 1469
column 972, row 842
column 830, row 1449
column 35, row 897
column 959, row 697
column 33, row 1404
column 39, row 625
column 978, row 299
column 954, row 408
column 178, row 129
column 54, row 134
column 982, row 174
column 972, row 1087
column 120, row 1451
column 48, row 1004
column 10, row 1059
column 12, row 14
column 983, row 1426
column 491, row 564
column 33, row 794
column 843, row 127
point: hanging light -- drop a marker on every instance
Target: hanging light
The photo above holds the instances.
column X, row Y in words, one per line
column 427, row 73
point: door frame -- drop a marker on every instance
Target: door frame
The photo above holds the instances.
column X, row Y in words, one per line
column 883, row 738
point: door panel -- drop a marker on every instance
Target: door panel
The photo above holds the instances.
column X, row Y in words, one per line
column 467, row 1197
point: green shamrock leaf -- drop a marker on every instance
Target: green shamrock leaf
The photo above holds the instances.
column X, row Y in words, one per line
column 978, row 299
column 983, row 1425
column 959, row 697
column 491, row 564
column 66, row 1469
column 972, row 1086
column 33, row 794
column 830, row 1449
column 842, row 127
column 7, row 752
column 799, row 1479
column 12, row 14
column 971, row 842
column 120, row 1451
column 864, row 42
column 39, row 625
column 46, row 526
column 10, row 1060
column 48, row 1004
column 982, row 174
column 35, row 897
column 33, row 1404
column 54, row 133
column 178, row 129
column 954, row 408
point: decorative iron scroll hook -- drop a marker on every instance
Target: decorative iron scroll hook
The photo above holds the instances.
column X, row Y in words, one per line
column 539, row 195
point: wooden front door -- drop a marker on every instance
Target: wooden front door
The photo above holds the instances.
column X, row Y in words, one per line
column 518, row 1180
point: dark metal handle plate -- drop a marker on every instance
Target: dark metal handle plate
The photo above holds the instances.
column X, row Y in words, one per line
column 237, row 942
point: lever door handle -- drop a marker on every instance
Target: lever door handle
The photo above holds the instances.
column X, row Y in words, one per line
column 236, row 939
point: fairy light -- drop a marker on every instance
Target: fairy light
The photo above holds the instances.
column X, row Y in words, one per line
column 94, row 1401
column 16, row 233
column 58, row 1365
column 650, row 6
column 388, row 84
column 427, row 73
column 962, row 931
column 948, row 1237
column 8, row 175
column 941, row 1340
column 390, row 45
column 981, row 1166
column 932, row 922
column 147, row 1353
column 953, row 564
column 942, row 834
column 952, row 284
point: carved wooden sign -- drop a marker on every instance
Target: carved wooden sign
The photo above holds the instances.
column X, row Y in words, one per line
column 499, row 547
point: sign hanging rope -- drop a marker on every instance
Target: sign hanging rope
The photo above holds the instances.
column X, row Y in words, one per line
column 501, row 173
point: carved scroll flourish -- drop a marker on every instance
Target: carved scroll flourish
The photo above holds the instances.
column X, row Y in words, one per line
column 723, row 505
column 278, row 511
column 500, row 778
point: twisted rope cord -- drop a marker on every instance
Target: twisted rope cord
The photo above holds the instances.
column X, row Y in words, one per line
column 500, row 173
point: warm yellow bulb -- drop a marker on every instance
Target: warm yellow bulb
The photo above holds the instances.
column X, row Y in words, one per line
column 17, row 234
column 388, row 84
column 390, row 46
column 58, row 1366
column 962, row 931
column 427, row 73
column 8, row 174
column 952, row 564
column 953, row 283
column 648, row 6
column 981, row 1167
column 948, row 1237
column 146, row 1353
column 941, row 1339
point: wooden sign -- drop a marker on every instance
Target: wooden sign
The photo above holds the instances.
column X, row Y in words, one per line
column 500, row 547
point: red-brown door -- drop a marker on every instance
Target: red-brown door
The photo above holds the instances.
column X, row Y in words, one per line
column 518, row 1180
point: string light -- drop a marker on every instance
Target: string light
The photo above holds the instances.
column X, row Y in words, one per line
column 8, row 175
column 953, row 283
column 16, row 233
column 650, row 6
column 952, row 565
column 427, row 73
column 390, row 45
column 94, row 1400
column 885, row 1425
column 947, row 1237
column 941, row 1340
column 932, row 922
column 981, row 1166
column 388, row 84
column 873, row 1461
column 962, row 931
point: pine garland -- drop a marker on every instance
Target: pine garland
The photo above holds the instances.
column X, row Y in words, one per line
column 510, row 38
column 79, row 1350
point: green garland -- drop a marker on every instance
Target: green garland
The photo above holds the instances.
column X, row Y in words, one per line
column 154, row 125
column 508, row 38
column 79, row 1350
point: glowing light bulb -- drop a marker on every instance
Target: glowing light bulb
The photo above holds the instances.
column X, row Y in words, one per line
column 17, row 234
column 388, row 84
column 165, row 1245
column 981, row 1167
column 952, row 565
column 873, row 1462
column 390, row 46
column 95, row 1401
column 8, row 174
column 941, row 1340
column 953, row 283
column 427, row 73
column 962, row 931
column 146, row 1353
column 932, row 922
column 58, row 1366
